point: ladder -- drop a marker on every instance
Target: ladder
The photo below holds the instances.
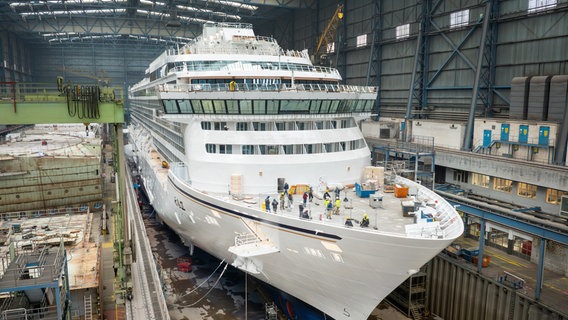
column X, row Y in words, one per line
column 88, row 308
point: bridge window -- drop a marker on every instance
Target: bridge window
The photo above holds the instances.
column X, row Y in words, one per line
column 220, row 106
column 478, row 179
column 503, row 185
column 170, row 106
column 272, row 106
column 184, row 106
column 526, row 190
column 207, row 106
column 197, row 108
column 246, row 106
column 232, row 107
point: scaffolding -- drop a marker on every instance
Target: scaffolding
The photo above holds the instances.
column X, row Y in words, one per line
column 34, row 283
column 413, row 159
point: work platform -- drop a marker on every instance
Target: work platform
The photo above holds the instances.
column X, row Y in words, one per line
column 27, row 103
column 35, row 284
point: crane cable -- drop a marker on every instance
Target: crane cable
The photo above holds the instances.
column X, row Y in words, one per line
column 212, row 287
column 204, row 281
column 83, row 101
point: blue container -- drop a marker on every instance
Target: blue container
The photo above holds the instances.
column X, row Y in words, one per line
column 363, row 193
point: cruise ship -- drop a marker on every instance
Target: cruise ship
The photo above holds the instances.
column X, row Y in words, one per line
column 230, row 130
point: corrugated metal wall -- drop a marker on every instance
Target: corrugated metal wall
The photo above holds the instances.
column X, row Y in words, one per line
column 528, row 44
column 461, row 294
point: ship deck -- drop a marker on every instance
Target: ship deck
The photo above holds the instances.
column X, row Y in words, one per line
column 384, row 210
column 387, row 212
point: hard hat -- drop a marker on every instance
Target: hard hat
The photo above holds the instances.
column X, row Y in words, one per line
column 365, row 215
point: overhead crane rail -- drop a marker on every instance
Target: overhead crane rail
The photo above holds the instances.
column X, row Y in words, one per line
column 518, row 220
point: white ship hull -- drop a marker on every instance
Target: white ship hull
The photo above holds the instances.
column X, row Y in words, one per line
column 344, row 273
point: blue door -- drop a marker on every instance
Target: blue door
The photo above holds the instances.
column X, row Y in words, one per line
column 486, row 138
column 505, row 128
column 543, row 135
column 523, row 133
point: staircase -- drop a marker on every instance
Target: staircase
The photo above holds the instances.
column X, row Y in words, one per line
column 249, row 245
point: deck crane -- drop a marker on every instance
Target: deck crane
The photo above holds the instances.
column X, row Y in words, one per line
column 328, row 36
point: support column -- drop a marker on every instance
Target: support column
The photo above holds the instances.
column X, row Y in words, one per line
column 540, row 269
column 481, row 245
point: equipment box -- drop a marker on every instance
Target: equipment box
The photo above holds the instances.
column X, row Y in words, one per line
column 407, row 208
column 362, row 193
column 400, row 191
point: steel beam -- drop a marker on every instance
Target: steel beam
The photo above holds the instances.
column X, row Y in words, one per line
column 55, row 113
column 513, row 222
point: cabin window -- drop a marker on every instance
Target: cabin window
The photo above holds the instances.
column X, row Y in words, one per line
column 248, row 149
column 221, row 126
column 288, row 149
column 210, row 148
column 242, row 126
column 205, row 125
column 259, row 126
column 273, row 150
column 225, row 149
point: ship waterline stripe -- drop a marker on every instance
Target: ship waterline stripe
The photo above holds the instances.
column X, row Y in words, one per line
column 288, row 228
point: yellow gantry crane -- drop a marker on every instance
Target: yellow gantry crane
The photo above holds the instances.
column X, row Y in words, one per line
column 328, row 35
